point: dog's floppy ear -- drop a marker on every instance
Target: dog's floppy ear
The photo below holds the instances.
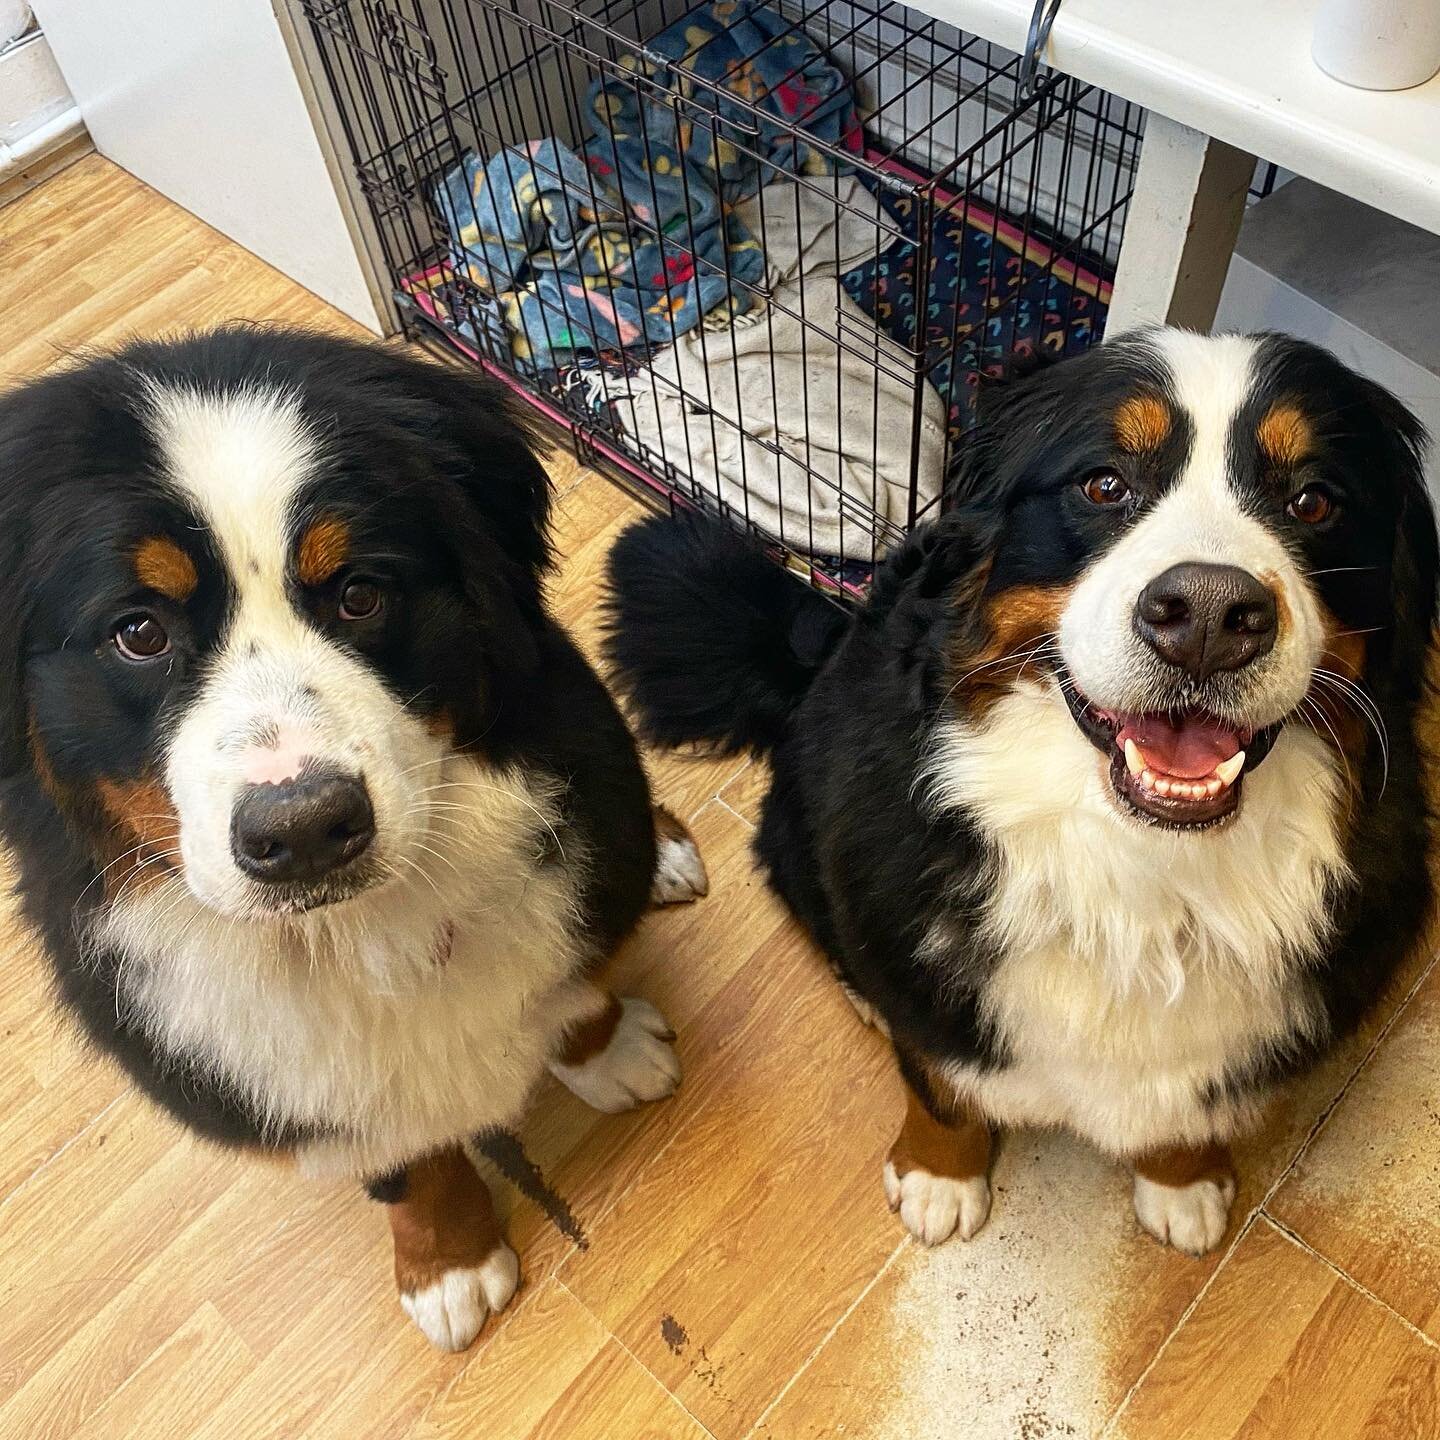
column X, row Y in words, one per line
column 1415, row 559
column 489, row 446
column 15, row 447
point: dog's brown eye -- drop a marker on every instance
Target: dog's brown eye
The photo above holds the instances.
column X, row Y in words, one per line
column 360, row 600
column 1105, row 487
column 1311, row 506
column 141, row 637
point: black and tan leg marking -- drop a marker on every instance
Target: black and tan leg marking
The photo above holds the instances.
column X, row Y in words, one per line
column 938, row 1172
column 453, row 1268
column 679, row 870
column 619, row 1054
column 1183, row 1195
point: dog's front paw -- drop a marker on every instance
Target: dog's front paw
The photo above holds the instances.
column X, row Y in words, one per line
column 680, row 873
column 637, row 1066
column 452, row 1311
column 935, row 1207
column 1192, row 1218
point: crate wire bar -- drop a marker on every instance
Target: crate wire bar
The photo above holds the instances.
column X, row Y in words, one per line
column 961, row 224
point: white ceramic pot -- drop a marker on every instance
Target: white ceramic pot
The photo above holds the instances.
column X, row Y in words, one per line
column 1378, row 44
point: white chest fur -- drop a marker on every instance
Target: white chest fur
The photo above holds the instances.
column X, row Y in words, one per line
column 401, row 1020
column 1138, row 965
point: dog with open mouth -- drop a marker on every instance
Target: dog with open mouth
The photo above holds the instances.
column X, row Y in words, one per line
column 327, row 827
column 1108, row 806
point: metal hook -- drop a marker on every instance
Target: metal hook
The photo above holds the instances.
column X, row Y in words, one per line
column 1041, row 19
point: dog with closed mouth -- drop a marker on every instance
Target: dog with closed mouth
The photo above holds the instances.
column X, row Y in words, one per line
column 325, row 824
column 1108, row 806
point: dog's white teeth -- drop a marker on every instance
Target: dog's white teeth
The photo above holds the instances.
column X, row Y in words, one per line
column 1229, row 770
column 1147, row 779
column 1162, row 787
column 1214, row 787
column 1134, row 760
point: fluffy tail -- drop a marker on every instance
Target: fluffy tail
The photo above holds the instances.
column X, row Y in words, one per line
column 711, row 642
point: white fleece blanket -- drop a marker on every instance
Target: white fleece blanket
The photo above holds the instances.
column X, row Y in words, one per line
column 802, row 427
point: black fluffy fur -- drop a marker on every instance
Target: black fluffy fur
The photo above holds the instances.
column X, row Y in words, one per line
column 736, row 689
column 714, row 645
column 435, row 471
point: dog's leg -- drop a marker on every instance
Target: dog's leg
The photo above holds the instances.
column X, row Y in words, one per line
column 619, row 1055
column 1183, row 1195
column 937, row 1175
column 679, row 870
column 452, row 1266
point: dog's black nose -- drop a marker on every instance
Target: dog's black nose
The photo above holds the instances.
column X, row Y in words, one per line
column 302, row 829
column 1205, row 618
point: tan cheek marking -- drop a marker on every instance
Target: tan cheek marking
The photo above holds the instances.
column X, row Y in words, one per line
column 1142, row 423
column 441, row 725
column 444, row 1221
column 44, row 771
column 144, row 830
column 1331, row 716
column 163, row 566
column 1016, row 620
column 1344, row 649
column 322, row 551
column 1285, row 435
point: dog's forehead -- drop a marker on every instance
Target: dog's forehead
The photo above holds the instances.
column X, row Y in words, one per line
column 242, row 458
column 1253, row 407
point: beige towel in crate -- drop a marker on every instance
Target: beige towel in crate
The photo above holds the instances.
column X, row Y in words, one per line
column 810, row 433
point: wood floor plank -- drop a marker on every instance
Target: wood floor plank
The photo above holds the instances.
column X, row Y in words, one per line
column 762, row 1219
column 1282, row 1348
column 176, row 1388
column 555, row 1374
column 1366, row 1194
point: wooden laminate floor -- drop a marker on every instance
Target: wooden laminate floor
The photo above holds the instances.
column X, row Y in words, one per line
column 731, row 1269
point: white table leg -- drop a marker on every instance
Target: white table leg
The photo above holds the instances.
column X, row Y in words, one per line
column 1184, row 216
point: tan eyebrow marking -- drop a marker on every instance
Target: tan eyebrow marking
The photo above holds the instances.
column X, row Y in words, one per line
column 323, row 548
column 1285, row 434
column 1142, row 423
column 162, row 565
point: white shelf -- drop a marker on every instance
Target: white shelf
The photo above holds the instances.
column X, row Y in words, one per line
column 1241, row 70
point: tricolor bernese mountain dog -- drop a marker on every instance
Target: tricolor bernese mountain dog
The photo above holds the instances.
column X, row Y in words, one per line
column 325, row 824
column 1108, row 805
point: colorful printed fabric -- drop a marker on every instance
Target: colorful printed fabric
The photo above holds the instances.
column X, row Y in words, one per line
column 633, row 240
column 990, row 299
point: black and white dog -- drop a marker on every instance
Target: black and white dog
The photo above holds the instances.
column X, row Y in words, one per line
column 1108, row 805
column 325, row 823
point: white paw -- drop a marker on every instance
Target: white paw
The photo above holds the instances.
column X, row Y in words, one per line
column 679, row 871
column 452, row 1311
column 868, row 1014
column 934, row 1207
column 1192, row 1218
column 637, row 1066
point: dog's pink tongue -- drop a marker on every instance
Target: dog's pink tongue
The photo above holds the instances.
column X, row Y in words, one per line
column 1190, row 748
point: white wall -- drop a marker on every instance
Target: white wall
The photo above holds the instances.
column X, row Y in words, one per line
column 199, row 99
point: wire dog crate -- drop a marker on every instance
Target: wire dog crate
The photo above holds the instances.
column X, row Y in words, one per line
column 755, row 258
